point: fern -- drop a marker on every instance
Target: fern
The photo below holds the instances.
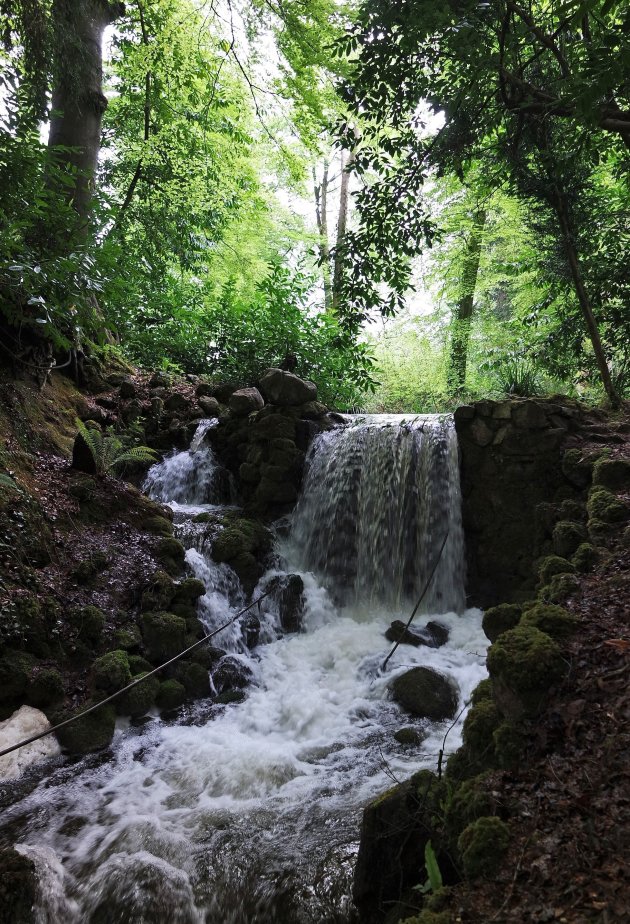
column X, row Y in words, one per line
column 434, row 876
column 109, row 451
column 7, row 482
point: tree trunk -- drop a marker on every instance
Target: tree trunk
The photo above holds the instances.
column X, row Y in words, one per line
column 321, row 215
column 342, row 224
column 78, row 102
column 460, row 334
column 561, row 209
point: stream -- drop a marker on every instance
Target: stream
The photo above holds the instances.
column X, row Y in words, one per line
column 250, row 812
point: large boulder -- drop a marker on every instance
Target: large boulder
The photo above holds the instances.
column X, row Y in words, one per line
column 245, row 401
column 286, row 389
column 287, row 591
column 426, row 693
column 434, row 635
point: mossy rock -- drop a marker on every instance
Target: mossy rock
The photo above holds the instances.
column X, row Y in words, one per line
column 577, row 467
column 138, row 700
column 90, row 733
column 479, row 725
column 426, row 693
column 567, row 536
column 482, row 692
column 555, row 620
column 86, row 572
column 510, row 745
column 171, row 695
column 572, row 510
column 586, row 558
column 158, row 526
column 559, row 588
column 468, row 802
column 111, row 672
column 189, row 591
column 612, row 473
column 45, row 689
column 523, row 663
column 89, row 622
column 602, row 505
column 14, row 676
column 194, row 678
column 601, row 533
column 230, row 697
column 171, row 554
column 186, row 610
column 240, row 537
column 138, row 664
column 551, row 565
column 18, row 888
column 410, row 736
column 160, row 593
column 164, row 635
column 482, row 846
column 499, row 619
column 128, row 637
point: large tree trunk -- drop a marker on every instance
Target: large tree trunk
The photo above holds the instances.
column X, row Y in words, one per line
column 78, row 102
column 561, row 208
column 462, row 316
column 321, row 215
column 342, row 224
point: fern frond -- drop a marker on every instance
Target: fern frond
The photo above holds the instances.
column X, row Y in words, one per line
column 137, row 454
column 7, row 482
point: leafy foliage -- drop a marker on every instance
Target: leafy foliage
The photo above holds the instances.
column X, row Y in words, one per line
column 109, row 452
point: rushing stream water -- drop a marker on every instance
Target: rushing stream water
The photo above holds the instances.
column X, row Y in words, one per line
column 251, row 812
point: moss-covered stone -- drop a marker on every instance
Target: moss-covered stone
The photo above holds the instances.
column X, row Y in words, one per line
column 612, row 473
column 18, row 888
column 550, row 566
column 482, row 846
column 586, row 558
column 111, row 671
column 89, row 622
column 510, row 745
column 128, row 637
column 556, row 621
column 164, row 635
column 171, row 554
column 426, row 693
column 499, row 619
column 14, row 675
column 171, row 695
column 86, row 572
column 571, row 509
column 523, row 663
column 90, row 733
column 577, row 467
column 138, row 664
column 194, row 678
column 160, row 593
column 482, row 692
column 602, row 505
column 468, row 801
column 599, row 533
column 158, row 526
column 479, row 725
column 140, row 699
column 559, row 588
column 189, row 591
column 409, row 736
column 567, row 536
column 45, row 688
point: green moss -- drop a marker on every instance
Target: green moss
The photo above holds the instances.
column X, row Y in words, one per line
column 240, row 537
column 160, row 593
column 194, row 678
column 523, row 663
column 482, row 692
column 189, row 591
column 600, row 533
column 602, row 505
column 90, row 733
column 128, row 637
column 164, row 635
column 482, row 846
column 612, row 473
column 171, row 554
column 500, row 618
column 585, row 558
column 467, row 802
column 138, row 665
column 158, row 525
column 552, row 565
column 171, row 695
column 46, row 688
column 111, row 671
column 14, row 675
column 572, row 510
column 559, row 588
column 89, row 622
column 556, row 621
column 479, row 725
column 509, row 745
column 86, row 572
column 567, row 536
column 140, row 699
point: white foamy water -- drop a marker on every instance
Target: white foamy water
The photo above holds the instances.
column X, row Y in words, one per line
column 245, row 813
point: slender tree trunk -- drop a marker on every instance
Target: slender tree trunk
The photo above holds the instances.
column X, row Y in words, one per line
column 342, row 224
column 78, row 102
column 460, row 335
column 560, row 206
column 321, row 214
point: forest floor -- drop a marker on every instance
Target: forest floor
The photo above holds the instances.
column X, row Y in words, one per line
column 569, row 807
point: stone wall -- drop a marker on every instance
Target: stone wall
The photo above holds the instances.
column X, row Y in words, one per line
column 511, row 467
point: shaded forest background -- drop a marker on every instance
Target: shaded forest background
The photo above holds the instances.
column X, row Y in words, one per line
column 424, row 203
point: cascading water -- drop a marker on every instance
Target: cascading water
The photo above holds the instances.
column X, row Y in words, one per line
column 250, row 813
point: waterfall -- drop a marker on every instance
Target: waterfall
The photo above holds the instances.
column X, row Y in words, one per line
column 379, row 497
column 249, row 813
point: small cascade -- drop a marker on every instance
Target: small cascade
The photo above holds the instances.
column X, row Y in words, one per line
column 380, row 496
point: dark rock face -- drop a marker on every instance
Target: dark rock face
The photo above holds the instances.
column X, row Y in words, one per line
column 82, row 458
column 518, row 465
column 245, row 401
column 288, row 593
column 210, row 406
column 286, row 389
column 426, row 693
column 231, row 674
column 433, row 636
